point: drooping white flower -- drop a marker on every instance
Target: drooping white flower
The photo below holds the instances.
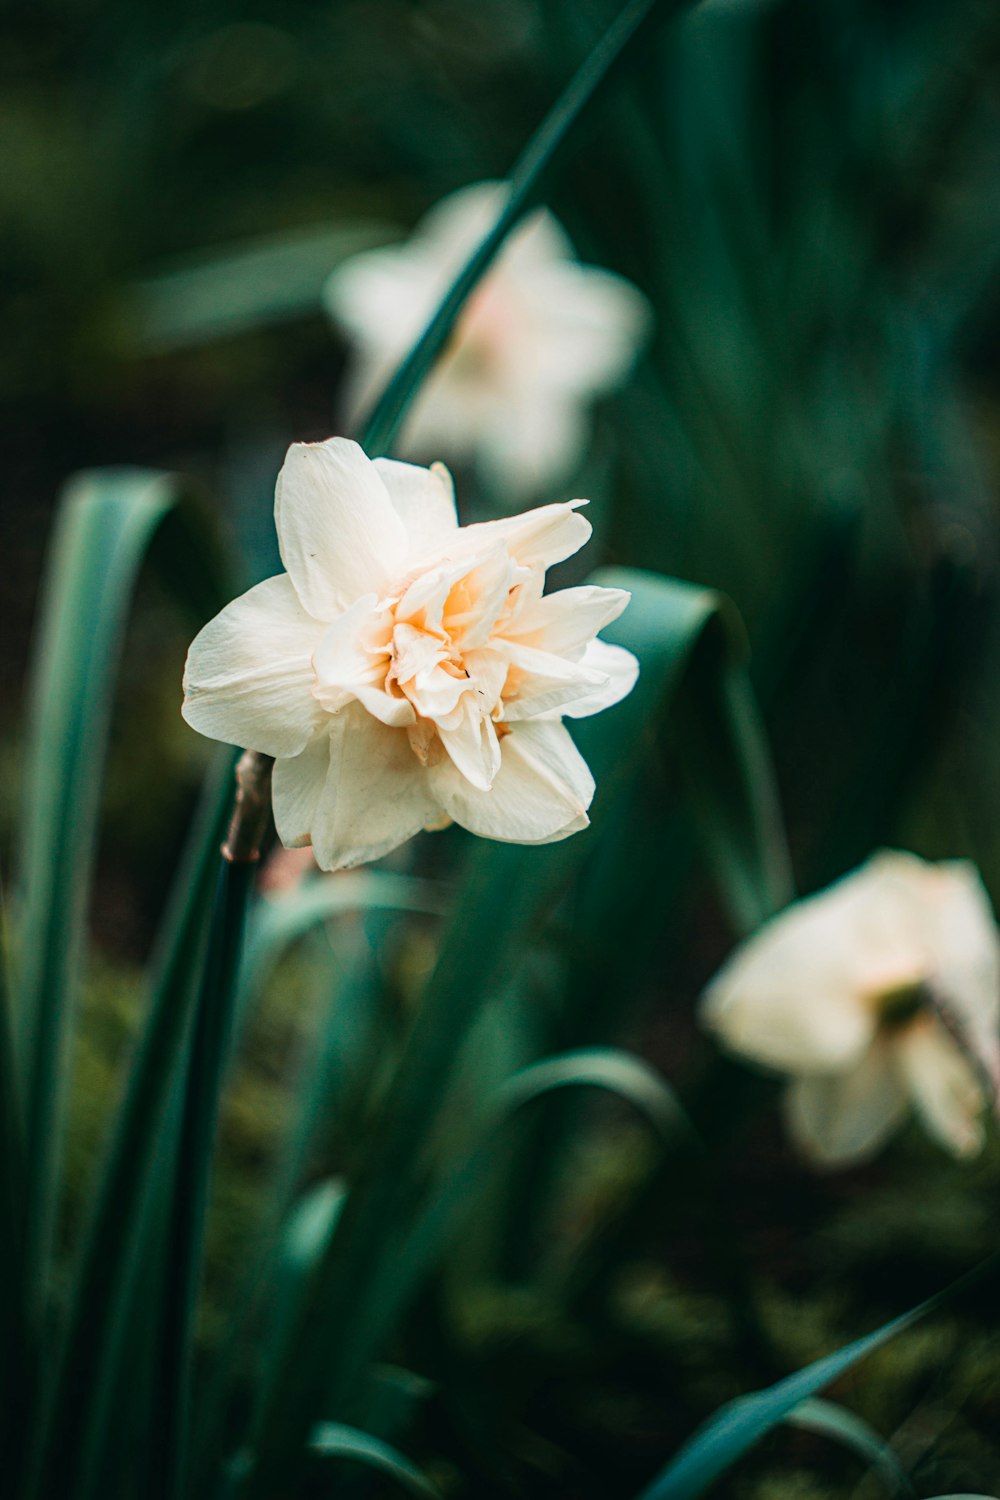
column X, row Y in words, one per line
column 879, row 994
column 406, row 671
column 540, row 338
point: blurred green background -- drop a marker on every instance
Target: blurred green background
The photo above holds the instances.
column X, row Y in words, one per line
column 807, row 191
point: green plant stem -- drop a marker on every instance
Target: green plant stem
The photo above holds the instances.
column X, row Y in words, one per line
column 617, row 44
column 13, row 1333
column 86, row 1368
column 206, row 1069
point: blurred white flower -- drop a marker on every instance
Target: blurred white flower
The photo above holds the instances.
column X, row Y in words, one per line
column 539, row 339
column 879, row 994
column 407, row 671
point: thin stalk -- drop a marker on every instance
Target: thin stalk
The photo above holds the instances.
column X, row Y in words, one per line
column 617, row 44
column 80, row 1408
column 193, row 1167
column 13, row 1332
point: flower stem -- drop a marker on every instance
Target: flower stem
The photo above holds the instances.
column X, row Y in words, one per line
column 202, row 1092
column 618, row 42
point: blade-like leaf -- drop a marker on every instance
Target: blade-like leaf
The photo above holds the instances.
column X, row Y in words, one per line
column 735, row 1428
column 281, row 920
column 87, row 1365
column 614, row 48
column 106, row 524
column 334, row 1440
column 846, row 1427
column 506, row 894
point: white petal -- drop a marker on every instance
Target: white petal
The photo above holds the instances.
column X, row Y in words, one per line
column 962, row 932
column 376, row 793
column 338, row 532
column 424, row 500
column 590, row 325
column 943, row 1086
column 845, row 1118
column 621, row 669
column 567, row 621
column 296, row 787
column 541, row 684
column 478, row 600
column 802, row 994
column 535, row 437
column 541, row 793
column 472, row 745
column 537, row 538
column 461, row 220
column 248, row 677
column 383, row 298
column 352, row 661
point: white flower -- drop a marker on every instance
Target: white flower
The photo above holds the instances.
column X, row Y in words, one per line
column 879, row 994
column 406, row 671
column 537, row 341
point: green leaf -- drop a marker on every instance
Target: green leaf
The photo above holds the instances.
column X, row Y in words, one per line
column 616, row 46
column 830, row 1420
column 738, row 1426
column 506, row 894
column 106, row 523
column 279, row 921
column 12, row 1200
column 722, row 750
column 206, row 1061
column 88, row 1363
column 334, row 1440
column 252, row 286
column 414, row 1248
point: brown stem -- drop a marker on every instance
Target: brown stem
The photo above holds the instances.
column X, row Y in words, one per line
column 253, row 803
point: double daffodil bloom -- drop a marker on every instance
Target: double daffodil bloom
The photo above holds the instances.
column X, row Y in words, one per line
column 406, row 671
column 879, row 995
column 537, row 342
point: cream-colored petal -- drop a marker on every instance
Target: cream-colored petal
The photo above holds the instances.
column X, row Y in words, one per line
column 621, row 670
column 541, row 793
column 535, row 438
column 383, row 298
column 961, row 930
column 844, row 1118
column 296, row 787
column 567, row 621
column 589, row 326
column 537, row 538
column 784, row 999
column 472, row 745
column 942, row 1084
column 352, row 661
column 802, row 993
column 248, row 677
column 424, row 500
column 479, row 598
column 338, row 532
column 376, row 794
column 541, row 684
column 462, row 219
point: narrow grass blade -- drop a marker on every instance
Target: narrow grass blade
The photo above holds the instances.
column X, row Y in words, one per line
column 724, row 756
column 12, row 1268
column 506, row 895
column 87, row 1364
column 737, row 1427
column 413, row 1249
column 617, row 45
column 106, row 524
column 845, row 1427
column 280, row 921
column 206, row 1065
column 334, row 1440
